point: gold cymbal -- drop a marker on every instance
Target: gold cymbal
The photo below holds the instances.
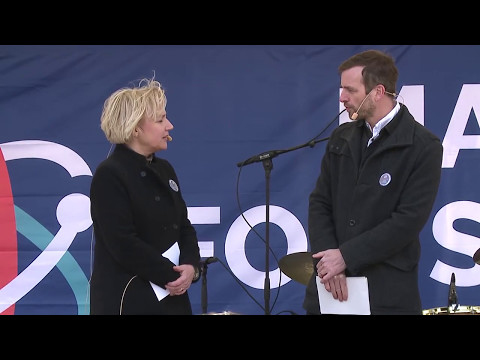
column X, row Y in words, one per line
column 297, row 266
column 222, row 313
column 476, row 257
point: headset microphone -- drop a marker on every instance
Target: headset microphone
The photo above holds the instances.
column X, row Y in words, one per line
column 355, row 114
column 169, row 138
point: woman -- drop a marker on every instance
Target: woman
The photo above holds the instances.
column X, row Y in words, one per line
column 146, row 252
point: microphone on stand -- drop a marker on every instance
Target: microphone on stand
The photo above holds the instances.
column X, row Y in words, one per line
column 266, row 158
column 452, row 294
column 257, row 158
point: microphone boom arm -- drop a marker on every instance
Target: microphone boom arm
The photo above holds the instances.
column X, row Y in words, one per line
column 274, row 153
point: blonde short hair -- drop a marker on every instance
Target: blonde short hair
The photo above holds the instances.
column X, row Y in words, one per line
column 123, row 110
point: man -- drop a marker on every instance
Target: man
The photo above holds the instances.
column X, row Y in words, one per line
column 378, row 181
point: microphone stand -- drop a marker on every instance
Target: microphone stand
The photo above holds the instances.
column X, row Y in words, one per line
column 204, row 288
column 452, row 295
column 266, row 159
column 203, row 271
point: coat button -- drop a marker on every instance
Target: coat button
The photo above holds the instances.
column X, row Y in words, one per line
column 351, row 222
column 143, row 173
column 175, row 226
column 157, row 198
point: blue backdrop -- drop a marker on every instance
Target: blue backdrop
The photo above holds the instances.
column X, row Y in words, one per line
column 227, row 103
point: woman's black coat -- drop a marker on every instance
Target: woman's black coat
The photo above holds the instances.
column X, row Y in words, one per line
column 138, row 213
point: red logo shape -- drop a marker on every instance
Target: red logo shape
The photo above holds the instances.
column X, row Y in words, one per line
column 8, row 231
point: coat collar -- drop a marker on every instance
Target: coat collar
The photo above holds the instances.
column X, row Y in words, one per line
column 124, row 151
column 401, row 129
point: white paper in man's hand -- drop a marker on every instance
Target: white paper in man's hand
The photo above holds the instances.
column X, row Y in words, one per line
column 358, row 302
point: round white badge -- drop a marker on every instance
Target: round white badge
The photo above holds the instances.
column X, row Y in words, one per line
column 385, row 179
column 173, row 185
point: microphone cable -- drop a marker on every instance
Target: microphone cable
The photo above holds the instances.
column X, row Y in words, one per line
column 123, row 294
column 239, row 283
column 326, row 127
column 248, row 293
